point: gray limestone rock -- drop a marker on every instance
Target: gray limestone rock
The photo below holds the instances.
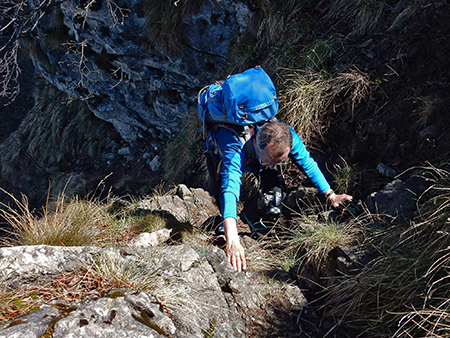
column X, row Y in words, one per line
column 34, row 325
column 107, row 54
column 192, row 291
column 131, row 316
column 187, row 206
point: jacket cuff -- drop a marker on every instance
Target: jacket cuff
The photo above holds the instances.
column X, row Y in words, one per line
column 229, row 205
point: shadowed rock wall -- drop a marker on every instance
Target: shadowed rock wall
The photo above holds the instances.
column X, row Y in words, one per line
column 108, row 55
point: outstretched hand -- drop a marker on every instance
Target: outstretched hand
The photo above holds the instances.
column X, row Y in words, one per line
column 234, row 250
column 236, row 255
column 337, row 201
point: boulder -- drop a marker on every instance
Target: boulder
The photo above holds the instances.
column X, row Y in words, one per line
column 399, row 197
column 193, row 206
column 192, row 292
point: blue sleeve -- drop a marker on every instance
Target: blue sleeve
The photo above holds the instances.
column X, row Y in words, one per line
column 304, row 160
column 233, row 159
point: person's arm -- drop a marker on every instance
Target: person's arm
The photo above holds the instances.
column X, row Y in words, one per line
column 231, row 173
column 304, row 159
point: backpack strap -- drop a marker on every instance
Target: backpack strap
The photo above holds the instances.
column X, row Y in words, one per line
column 244, row 134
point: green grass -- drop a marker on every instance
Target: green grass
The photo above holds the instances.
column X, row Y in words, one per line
column 273, row 37
column 362, row 16
column 345, row 176
column 311, row 241
column 404, row 292
column 164, row 20
column 184, row 151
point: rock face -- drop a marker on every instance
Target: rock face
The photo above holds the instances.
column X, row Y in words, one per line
column 141, row 290
column 399, row 197
column 192, row 292
column 108, row 53
column 119, row 77
column 193, row 206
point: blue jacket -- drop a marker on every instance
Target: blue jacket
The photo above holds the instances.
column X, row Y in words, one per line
column 234, row 164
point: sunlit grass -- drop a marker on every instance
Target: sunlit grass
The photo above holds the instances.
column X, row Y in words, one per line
column 118, row 272
column 310, row 97
column 164, row 20
column 66, row 222
column 345, row 177
column 311, row 243
column 184, row 150
column 404, row 292
column 74, row 221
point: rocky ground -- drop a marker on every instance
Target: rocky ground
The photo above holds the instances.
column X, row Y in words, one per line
column 405, row 123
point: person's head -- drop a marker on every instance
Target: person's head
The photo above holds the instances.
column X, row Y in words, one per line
column 273, row 143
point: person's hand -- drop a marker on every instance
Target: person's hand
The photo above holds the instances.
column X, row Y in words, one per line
column 236, row 254
column 337, row 201
column 234, row 250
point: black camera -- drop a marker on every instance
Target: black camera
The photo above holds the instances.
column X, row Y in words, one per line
column 270, row 202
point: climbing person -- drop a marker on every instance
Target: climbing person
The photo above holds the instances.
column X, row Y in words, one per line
column 274, row 143
column 247, row 137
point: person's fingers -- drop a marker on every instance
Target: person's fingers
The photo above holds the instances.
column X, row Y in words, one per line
column 239, row 264
column 236, row 256
column 236, row 263
column 244, row 263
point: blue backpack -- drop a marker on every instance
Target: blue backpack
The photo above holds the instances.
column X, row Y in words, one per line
column 242, row 99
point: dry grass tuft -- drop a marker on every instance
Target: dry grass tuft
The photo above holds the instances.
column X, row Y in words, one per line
column 311, row 242
column 71, row 221
column 197, row 238
column 429, row 105
column 262, row 256
column 66, row 222
column 310, row 97
column 125, row 272
column 304, row 101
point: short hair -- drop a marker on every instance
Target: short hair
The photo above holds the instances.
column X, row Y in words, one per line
column 276, row 134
